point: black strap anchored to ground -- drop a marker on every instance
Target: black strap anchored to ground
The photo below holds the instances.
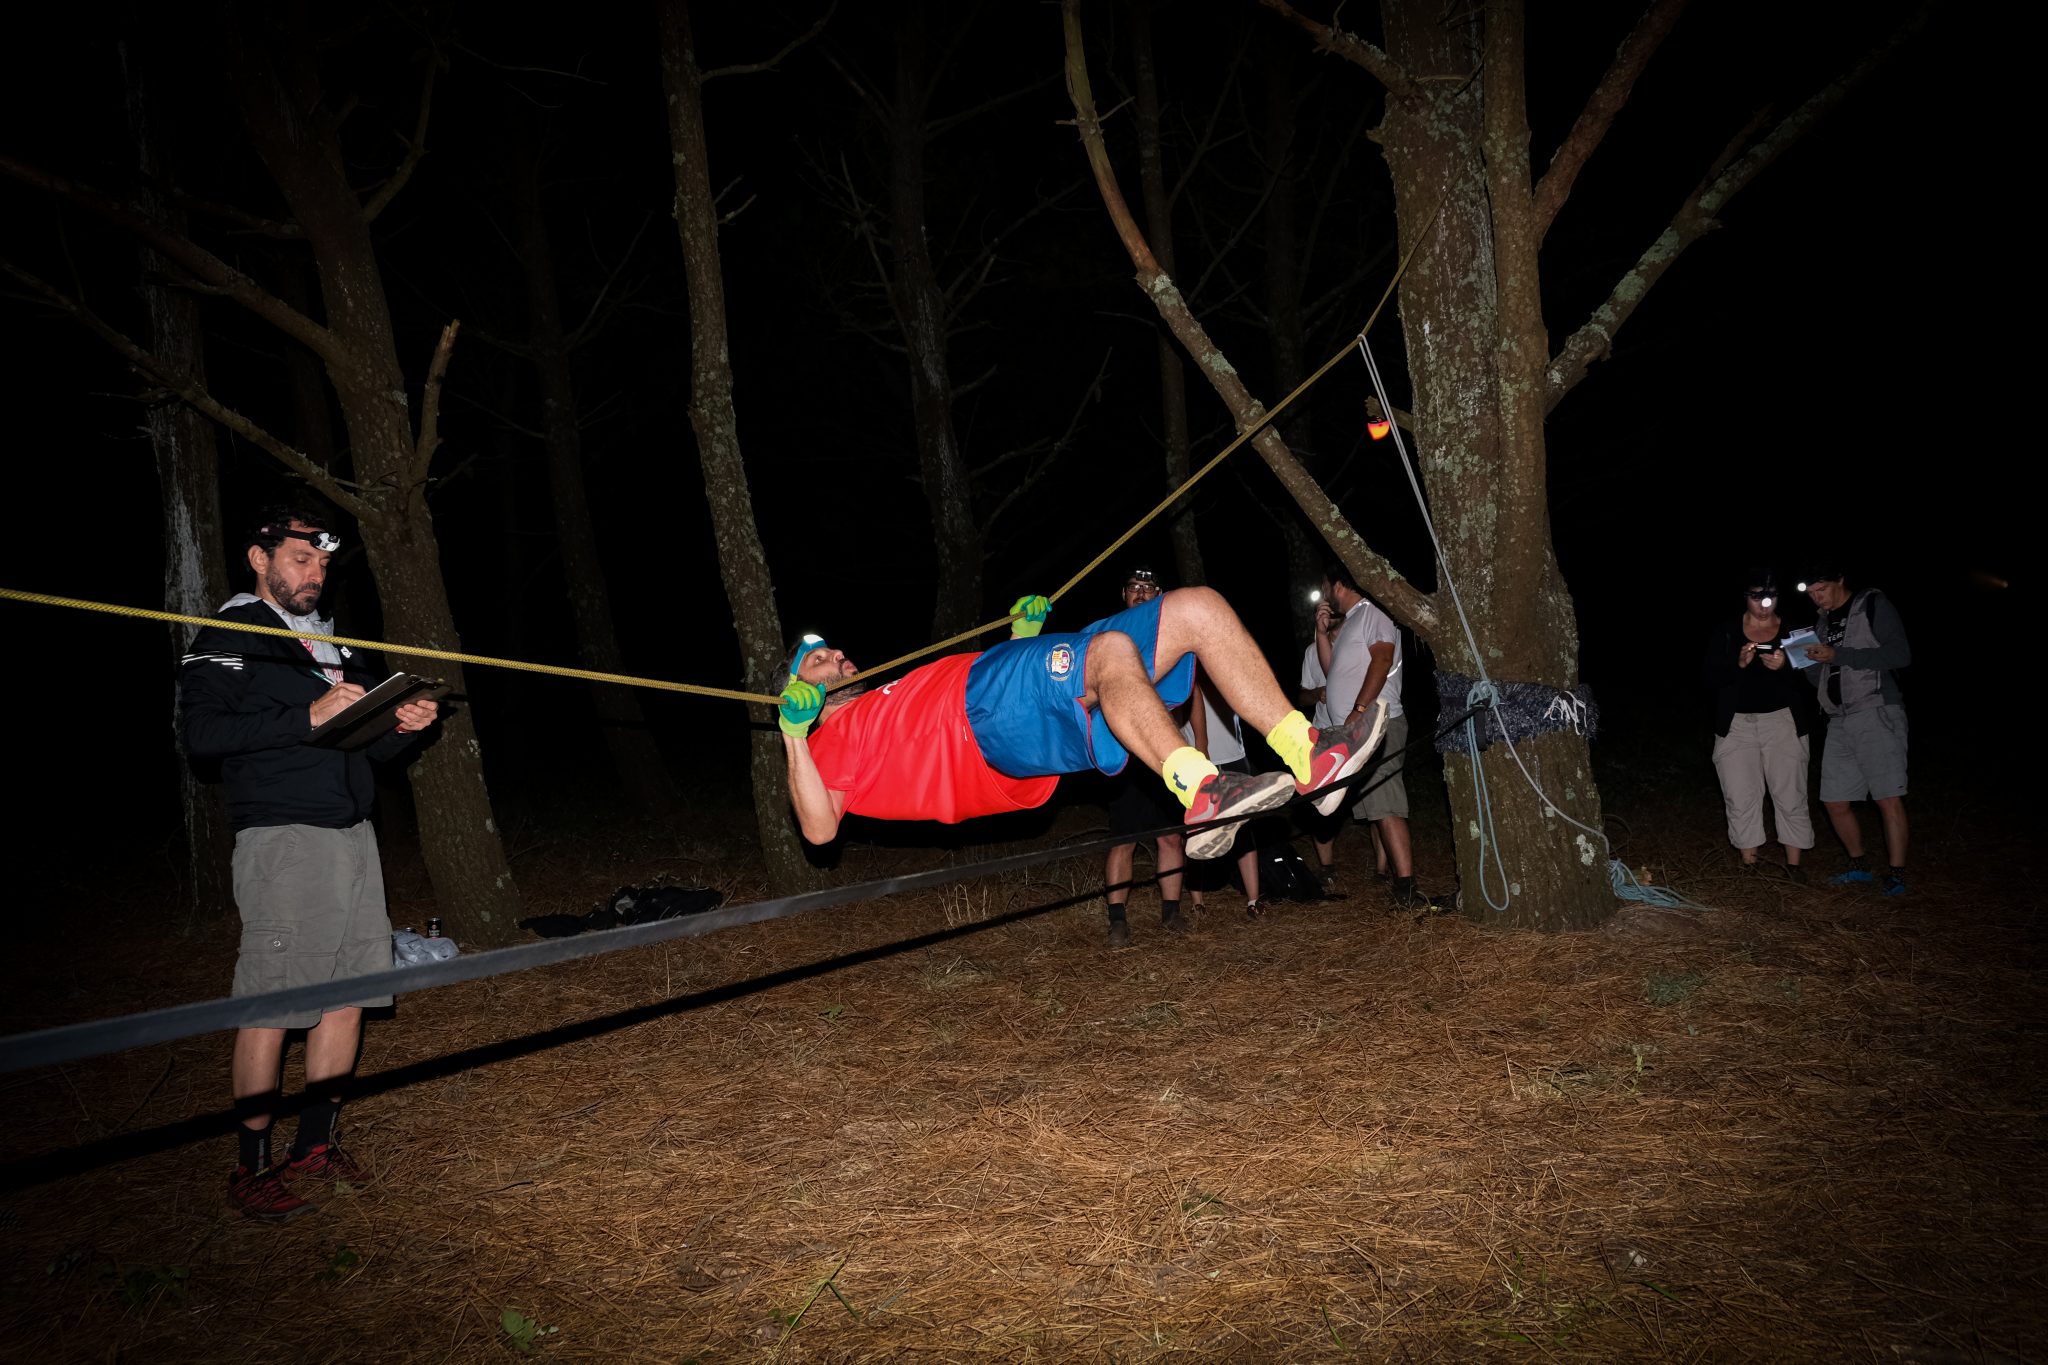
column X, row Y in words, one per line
column 97, row 1038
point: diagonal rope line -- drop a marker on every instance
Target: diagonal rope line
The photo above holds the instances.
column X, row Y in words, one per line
column 1264, row 420
column 417, row 651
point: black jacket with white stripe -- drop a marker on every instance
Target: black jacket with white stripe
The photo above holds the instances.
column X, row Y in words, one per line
column 247, row 700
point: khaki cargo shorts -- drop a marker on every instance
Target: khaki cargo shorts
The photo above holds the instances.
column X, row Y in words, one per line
column 1385, row 792
column 1865, row 755
column 312, row 907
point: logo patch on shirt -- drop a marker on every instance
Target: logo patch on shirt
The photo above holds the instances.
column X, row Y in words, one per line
column 1060, row 661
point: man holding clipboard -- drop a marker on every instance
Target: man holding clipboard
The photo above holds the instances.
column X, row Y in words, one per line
column 308, row 882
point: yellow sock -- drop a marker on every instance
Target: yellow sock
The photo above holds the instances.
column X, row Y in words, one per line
column 1186, row 768
column 1290, row 740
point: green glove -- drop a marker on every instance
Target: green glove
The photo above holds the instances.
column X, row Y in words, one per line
column 801, row 703
column 1031, row 613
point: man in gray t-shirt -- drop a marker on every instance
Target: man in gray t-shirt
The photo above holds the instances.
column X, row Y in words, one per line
column 1862, row 643
column 1357, row 658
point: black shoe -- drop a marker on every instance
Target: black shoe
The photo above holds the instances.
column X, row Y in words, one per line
column 1119, row 933
column 1253, row 910
column 1178, row 923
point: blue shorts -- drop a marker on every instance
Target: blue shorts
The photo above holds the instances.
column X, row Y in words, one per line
column 1024, row 698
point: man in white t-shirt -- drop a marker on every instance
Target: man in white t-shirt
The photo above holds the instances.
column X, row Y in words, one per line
column 1355, row 660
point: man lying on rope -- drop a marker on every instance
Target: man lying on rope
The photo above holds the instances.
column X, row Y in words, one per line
column 982, row 734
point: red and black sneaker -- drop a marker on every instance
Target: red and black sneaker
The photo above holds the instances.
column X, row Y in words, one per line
column 1226, row 796
column 326, row 1162
column 1341, row 751
column 262, row 1195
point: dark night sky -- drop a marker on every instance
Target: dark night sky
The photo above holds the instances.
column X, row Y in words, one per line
column 1826, row 371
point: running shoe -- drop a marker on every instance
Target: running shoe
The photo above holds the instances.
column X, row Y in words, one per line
column 326, row 1162
column 1894, row 884
column 1225, row 797
column 1854, row 876
column 1341, row 751
column 262, row 1195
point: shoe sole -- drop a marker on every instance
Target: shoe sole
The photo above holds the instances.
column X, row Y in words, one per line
column 1206, row 840
column 269, row 1216
column 1361, row 753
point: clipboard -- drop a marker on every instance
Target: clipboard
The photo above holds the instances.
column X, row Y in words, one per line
column 375, row 714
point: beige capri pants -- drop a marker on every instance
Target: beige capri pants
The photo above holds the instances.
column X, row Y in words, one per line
column 1763, row 752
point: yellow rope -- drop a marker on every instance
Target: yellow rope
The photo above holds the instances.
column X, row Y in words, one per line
column 1265, row 420
column 589, row 675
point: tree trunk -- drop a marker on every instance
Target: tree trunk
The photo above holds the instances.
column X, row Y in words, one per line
column 741, row 563
column 1463, row 406
column 1477, row 352
column 278, row 92
column 1173, row 379
column 920, row 305
column 188, row 473
column 635, row 757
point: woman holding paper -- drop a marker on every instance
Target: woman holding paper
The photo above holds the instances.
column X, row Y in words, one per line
column 1760, row 724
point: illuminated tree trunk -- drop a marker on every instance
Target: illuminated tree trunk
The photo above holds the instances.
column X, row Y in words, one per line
column 188, row 473
column 741, row 563
column 277, row 88
column 1477, row 349
column 920, row 305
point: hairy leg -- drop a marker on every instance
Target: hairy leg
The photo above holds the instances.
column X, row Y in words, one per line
column 1116, row 874
column 1892, row 810
column 331, row 1047
column 1847, row 828
column 1119, row 686
column 257, row 1070
column 1393, row 832
column 1198, row 621
column 1169, row 860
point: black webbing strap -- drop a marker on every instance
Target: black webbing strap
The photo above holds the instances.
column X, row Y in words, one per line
column 98, row 1037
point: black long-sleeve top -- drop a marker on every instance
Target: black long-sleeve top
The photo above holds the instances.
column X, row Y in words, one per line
column 247, row 700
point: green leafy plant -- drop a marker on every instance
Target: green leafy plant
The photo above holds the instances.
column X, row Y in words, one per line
column 526, row 1333
column 342, row 1264
column 140, row 1284
column 1669, row 990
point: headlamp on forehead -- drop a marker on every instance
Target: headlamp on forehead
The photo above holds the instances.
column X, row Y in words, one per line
column 804, row 645
column 319, row 540
column 1141, row 577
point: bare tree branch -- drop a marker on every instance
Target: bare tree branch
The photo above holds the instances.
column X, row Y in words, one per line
column 414, row 150
column 871, row 100
column 1606, row 101
column 587, row 328
column 1052, row 451
column 754, row 68
column 1696, row 217
column 190, row 393
column 938, row 127
column 430, row 403
column 203, row 265
column 1403, row 600
column 1349, row 46
column 228, row 213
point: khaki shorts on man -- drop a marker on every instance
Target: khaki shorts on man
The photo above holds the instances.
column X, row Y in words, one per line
column 1385, row 793
column 1865, row 756
column 312, row 907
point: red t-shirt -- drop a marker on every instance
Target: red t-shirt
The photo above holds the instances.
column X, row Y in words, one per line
column 906, row 752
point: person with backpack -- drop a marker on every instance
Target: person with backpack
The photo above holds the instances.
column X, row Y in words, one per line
column 1861, row 646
